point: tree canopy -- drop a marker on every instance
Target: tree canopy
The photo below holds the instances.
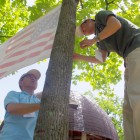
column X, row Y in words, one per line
column 14, row 17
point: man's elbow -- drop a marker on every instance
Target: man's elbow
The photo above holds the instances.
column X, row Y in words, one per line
column 119, row 25
column 10, row 109
column 100, row 62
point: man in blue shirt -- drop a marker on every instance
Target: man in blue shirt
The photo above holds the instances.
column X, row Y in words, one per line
column 21, row 109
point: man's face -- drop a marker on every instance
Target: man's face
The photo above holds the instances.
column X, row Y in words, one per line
column 29, row 81
column 88, row 27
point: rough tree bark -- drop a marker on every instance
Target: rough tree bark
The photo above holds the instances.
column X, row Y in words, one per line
column 53, row 119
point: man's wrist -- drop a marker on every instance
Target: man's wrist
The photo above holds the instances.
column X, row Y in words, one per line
column 97, row 38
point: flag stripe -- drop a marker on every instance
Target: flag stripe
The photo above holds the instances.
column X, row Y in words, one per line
column 1, row 74
column 18, row 46
column 13, row 45
column 27, row 46
column 29, row 49
column 21, row 34
column 25, row 54
column 21, row 65
column 27, row 42
column 5, row 65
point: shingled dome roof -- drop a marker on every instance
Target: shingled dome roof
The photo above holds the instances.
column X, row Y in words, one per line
column 90, row 118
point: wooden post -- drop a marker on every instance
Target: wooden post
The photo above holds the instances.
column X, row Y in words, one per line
column 84, row 136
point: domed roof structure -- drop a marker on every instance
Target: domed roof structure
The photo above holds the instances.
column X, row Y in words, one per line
column 90, row 119
column 87, row 121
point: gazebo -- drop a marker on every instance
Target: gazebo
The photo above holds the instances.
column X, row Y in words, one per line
column 88, row 121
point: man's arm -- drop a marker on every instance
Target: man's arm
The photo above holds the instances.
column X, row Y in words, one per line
column 21, row 109
column 112, row 26
column 91, row 59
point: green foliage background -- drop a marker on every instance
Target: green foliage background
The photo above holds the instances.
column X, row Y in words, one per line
column 16, row 14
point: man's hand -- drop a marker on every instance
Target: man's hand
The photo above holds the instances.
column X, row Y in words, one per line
column 87, row 42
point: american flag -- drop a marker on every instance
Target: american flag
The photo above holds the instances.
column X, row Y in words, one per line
column 30, row 45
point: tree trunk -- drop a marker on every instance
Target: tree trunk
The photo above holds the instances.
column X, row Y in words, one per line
column 53, row 119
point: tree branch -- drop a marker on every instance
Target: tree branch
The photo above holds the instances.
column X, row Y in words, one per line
column 119, row 7
column 111, row 2
column 81, row 4
column 106, row 4
column 5, row 36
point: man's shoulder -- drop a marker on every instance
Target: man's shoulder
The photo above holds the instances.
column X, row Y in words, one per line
column 104, row 13
column 12, row 92
column 11, row 97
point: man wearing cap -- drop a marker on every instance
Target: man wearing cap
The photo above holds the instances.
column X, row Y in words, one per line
column 21, row 109
column 116, row 34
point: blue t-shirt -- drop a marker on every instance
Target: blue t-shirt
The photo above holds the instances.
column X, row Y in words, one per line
column 19, row 127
